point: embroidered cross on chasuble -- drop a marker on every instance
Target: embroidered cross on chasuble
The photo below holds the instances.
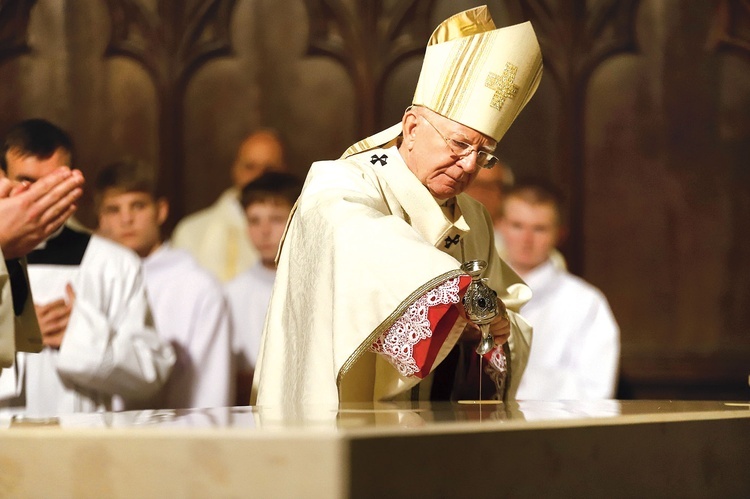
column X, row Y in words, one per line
column 449, row 241
column 382, row 158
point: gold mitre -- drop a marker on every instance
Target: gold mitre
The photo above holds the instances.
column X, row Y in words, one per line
column 474, row 74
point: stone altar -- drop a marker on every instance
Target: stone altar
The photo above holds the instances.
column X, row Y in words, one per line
column 522, row 449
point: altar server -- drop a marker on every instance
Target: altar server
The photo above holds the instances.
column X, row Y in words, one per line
column 576, row 347
column 367, row 300
column 267, row 201
column 187, row 301
column 101, row 351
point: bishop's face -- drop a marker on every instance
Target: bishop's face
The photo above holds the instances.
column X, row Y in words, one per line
column 442, row 153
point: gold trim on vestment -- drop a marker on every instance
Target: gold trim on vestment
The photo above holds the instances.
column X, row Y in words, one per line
column 466, row 80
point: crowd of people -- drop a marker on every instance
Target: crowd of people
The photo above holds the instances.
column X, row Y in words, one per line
column 349, row 289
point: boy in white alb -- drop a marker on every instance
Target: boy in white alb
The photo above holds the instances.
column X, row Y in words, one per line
column 267, row 202
column 187, row 301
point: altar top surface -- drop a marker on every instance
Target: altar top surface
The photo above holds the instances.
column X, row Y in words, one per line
column 584, row 449
column 389, row 418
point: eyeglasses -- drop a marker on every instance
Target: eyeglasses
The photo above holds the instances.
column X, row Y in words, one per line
column 462, row 149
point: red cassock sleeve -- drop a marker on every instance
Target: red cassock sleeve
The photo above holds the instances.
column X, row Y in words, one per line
column 412, row 343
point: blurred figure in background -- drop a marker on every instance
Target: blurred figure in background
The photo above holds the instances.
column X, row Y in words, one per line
column 216, row 236
column 267, row 202
column 101, row 351
column 187, row 301
column 488, row 189
column 576, row 348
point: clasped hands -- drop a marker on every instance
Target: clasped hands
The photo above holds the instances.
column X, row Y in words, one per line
column 30, row 212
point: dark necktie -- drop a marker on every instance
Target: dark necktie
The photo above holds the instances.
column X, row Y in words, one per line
column 19, row 288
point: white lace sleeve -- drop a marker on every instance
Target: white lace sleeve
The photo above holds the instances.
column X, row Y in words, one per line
column 497, row 359
column 397, row 344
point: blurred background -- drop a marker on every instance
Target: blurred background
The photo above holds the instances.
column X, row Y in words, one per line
column 642, row 116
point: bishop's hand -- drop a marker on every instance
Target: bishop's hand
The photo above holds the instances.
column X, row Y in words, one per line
column 499, row 327
column 482, row 307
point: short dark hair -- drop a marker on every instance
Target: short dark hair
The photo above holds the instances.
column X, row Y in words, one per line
column 538, row 190
column 271, row 186
column 128, row 175
column 36, row 137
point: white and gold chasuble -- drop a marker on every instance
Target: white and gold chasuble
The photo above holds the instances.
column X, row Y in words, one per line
column 364, row 244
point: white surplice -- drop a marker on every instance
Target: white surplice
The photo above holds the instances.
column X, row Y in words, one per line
column 366, row 242
column 191, row 313
column 576, row 350
column 248, row 295
column 111, row 355
column 217, row 237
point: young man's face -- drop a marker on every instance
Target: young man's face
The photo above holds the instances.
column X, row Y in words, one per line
column 31, row 168
column 132, row 219
column 530, row 232
column 266, row 222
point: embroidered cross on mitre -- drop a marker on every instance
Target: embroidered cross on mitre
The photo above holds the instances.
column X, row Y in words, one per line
column 502, row 85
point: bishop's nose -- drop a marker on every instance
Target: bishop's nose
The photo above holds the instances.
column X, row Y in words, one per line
column 469, row 162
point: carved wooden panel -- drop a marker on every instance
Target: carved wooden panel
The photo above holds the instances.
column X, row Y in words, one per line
column 731, row 27
column 576, row 37
column 729, row 37
column 14, row 24
column 369, row 39
column 171, row 44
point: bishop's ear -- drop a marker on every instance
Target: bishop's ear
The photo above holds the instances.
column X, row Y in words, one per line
column 409, row 123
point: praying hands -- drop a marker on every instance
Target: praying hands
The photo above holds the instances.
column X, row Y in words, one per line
column 30, row 212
